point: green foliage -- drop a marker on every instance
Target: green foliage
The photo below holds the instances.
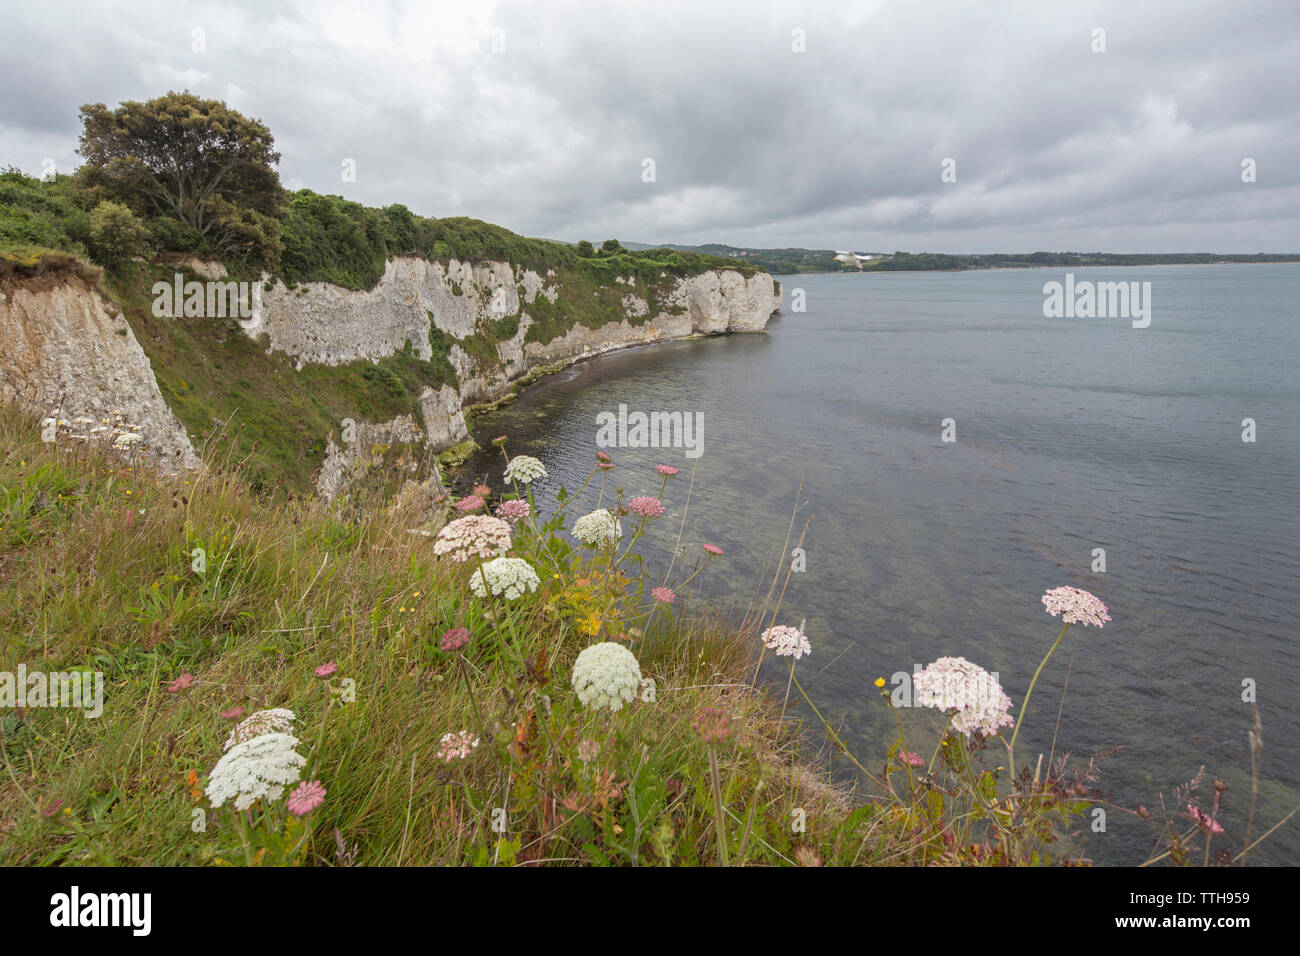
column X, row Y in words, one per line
column 116, row 234
column 194, row 160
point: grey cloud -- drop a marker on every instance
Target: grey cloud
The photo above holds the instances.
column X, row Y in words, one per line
column 1137, row 148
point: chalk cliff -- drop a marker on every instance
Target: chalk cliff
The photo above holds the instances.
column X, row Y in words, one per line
column 71, row 352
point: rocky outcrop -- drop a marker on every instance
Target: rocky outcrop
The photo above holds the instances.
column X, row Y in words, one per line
column 70, row 355
column 324, row 324
column 69, row 352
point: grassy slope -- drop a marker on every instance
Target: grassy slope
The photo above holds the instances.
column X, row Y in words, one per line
column 211, row 374
column 95, row 572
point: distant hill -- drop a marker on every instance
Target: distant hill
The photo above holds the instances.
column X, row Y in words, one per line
column 789, row 261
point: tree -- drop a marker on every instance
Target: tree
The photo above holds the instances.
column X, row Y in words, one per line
column 585, row 249
column 195, row 160
column 116, row 234
column 611, row 246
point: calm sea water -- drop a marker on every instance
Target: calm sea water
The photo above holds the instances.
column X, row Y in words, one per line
column 1072, row 434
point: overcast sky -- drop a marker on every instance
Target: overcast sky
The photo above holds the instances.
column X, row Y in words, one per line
column 539, row 116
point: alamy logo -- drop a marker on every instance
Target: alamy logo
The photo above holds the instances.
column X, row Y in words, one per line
column 102, row 909
column 654, row 430
column 1101, row 300
column 79, row 689
column 206, row 300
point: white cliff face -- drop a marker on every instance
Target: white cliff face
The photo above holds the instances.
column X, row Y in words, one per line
column 325, row 324
column 66, row 344
column 329, row 325
column 69, row 354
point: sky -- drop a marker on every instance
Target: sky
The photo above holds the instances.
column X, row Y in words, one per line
column 873, row 126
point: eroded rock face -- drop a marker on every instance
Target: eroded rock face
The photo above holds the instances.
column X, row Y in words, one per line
column 69, row 354
column 329, row 325
column 325, row 324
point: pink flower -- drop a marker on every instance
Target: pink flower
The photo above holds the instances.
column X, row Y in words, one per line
column 602, row 456
column 470, row 503
column 645, row 506
column 234, row 713
column 668, row 470
column 473, row 536
column 50, row 811
column 307, row 797
column 1075, row 606
column 454, row 639
column 909, row 758
column 587, row 751
column 184, row 682
column 326, row 669
column 456, row 746
column 1204, row 820
column 604, row 465
column 712, row 725
column 482, row 491
column 665, row 595
column 514, row 509
column 712, row 549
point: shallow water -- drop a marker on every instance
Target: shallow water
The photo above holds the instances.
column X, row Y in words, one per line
column 1072, row 434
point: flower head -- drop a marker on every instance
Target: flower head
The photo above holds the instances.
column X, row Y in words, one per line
column 971, row 692
column 712, row 549
column 470, row 503
column 598, row 529
column 184, row 682
column 666, row 470
column 1076, row 606
column 327, row 669
column 511, row 577
column 234, row 713
column 514, row 509
column 606, row 676
column 1204, row 820
column 454, row 639
column 786, row 641
column 664, row 595
column 277, row 720
column 260, row 767
column 603, row 456
column 456, row 746
column 482, row 490
column 524, row 469
column 645, row 506
column 473, row 536
column 588, row 750
column 308, row 795
column 712, row 724
column 910, row 758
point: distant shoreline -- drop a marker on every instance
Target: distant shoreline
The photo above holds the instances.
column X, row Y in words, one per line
column 1130, row 265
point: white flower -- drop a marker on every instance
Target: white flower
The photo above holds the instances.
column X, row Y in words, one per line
column 523, row 468
column 277, row 720
column 258, row 768
column 606, row 675
column 786, row 641
column 512, row 577
column 599, row 529
column 473, row 536
column 127, row 440
column 971, row 692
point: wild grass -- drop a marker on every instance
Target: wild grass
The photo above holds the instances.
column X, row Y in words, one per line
column 194, row 596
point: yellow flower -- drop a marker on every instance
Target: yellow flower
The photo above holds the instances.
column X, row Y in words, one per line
column 880, row 682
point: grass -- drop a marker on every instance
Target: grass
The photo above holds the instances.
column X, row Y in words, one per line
column 145, row 579
column 95, row 565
